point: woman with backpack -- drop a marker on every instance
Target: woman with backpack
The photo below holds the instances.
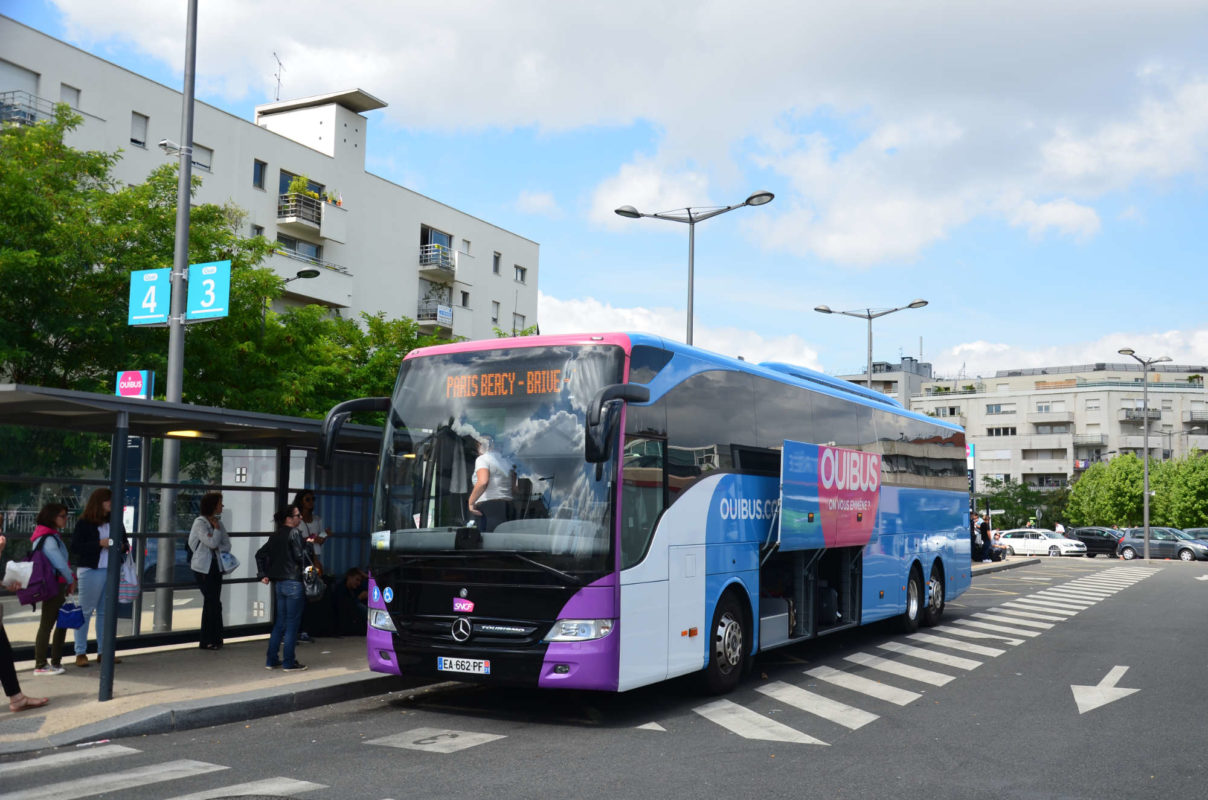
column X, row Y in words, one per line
column 207, row 539
column 280, row 562
column 8, row 670
column 91, row 545
column 50, row 522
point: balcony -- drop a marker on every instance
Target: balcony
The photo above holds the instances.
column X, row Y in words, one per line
column 23, row 108
column 437, row 263
column 1195, row 416
column 434, row 318
column 1138, row 415
column 1050, row 417
column 299, row 213
column 1090, row 439
column 332, row 288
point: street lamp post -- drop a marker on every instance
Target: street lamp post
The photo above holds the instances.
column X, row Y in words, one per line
column 870, row 314
column 691, row 216
column 1145, row 363
column 306, row 274
column 1168, row 454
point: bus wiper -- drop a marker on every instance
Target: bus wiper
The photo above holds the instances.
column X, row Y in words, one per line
column 566, row 576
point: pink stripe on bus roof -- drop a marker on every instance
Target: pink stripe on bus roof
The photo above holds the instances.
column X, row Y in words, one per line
column 620, row 339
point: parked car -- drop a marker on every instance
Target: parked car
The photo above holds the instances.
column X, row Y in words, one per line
column 1040, row 542
column 1098, row 540
column 1197, row 533
column 1163, row 543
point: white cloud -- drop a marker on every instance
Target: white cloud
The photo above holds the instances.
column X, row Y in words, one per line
column 582, row 315
column 982, row 358
column 649, row 187
column 1065, row 215
column 539, row 203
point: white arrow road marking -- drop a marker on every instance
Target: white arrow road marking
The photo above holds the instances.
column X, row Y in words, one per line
column 652, row 726
column 1202, row 578
column 1089, row 698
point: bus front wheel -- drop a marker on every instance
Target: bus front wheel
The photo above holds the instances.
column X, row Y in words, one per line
column 728, row 646
column 914, row 602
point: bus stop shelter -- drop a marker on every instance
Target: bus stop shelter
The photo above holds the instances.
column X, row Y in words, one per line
column 276, row 448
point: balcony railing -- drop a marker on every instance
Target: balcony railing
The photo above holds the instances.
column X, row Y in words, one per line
column 1139, row 414
column 437, row 262
column 1090, row 439
column 23, row 108
column 300, row 206
column 318, row 262
column 430, row 314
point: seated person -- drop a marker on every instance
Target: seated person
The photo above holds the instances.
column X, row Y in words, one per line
column 350, row 597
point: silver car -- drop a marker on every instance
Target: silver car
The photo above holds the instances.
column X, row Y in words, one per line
column 1163, row 543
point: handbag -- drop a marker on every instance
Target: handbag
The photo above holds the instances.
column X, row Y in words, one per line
column 312, row 581
column 71, row 616
column 227, row 562
column 128, row 586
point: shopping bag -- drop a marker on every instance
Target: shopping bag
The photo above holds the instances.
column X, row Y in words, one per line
column 71, row 616
column 227, row 563
column 128, row 587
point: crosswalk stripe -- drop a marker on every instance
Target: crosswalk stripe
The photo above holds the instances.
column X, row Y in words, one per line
column 1027, row 623
column 1069, row 600
column 858, row 683
column 986, row 626
column 1104, row 583
column 282, row 787
column 900, row 669
column 947, row 659
column 1048, row 608
column 1105, row 591
column 115, row 781
column 1093, row 597
column 969, row 633
column 66, row 758
column 954, row 644
column 1007, row 608
column 840, row 713
column 751, row 725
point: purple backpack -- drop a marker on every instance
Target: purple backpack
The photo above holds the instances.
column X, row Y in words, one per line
column 43, row 579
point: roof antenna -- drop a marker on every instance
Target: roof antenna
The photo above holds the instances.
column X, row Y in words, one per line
column 277, row 75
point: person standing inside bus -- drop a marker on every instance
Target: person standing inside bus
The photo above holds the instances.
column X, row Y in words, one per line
column 207, row 539
column 491, row 497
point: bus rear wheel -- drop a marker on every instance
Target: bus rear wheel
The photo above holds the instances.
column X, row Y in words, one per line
column 727, row 646
column 909, row 620
column 935, row 598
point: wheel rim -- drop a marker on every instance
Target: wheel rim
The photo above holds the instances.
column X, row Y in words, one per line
column 1053, row 551
column 1129, row 554
column 935, row 590
column 1185, row 555
column 728, row 643
column 912, row 599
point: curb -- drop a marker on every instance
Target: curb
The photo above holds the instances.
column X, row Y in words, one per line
column 999, row 566
column 205, row 712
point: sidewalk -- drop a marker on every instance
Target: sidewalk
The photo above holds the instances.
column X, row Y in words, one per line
column 162, row 689
column 1009, row 563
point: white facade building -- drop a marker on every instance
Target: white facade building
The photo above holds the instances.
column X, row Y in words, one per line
column 900, row 381
column 378, row 246
column 1043, row 427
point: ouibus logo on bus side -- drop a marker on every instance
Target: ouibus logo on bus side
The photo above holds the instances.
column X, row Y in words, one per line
column 849, row 469
column 849, row 491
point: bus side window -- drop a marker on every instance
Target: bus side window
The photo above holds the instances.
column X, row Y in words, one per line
column 643, row 494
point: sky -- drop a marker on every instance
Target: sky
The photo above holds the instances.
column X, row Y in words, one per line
column 1036, row 171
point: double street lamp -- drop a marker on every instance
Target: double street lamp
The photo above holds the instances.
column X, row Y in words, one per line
column 1145, row 363
column 307, row 273
column 870, row 314
column 691, row 216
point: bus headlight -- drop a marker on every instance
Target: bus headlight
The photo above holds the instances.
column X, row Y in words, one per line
column 380, row 618
column 578, row 630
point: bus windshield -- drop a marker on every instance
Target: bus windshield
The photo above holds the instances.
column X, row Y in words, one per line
column 516, row 416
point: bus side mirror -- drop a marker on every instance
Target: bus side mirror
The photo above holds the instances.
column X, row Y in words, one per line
column 603, row 416
column 336, row 418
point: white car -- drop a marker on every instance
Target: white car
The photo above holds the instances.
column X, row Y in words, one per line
column 1040, row 542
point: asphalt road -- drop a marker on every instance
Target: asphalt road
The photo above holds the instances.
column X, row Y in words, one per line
column 987, row 710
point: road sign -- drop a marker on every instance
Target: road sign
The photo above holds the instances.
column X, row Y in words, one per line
column 209, row 290
column 150, row 297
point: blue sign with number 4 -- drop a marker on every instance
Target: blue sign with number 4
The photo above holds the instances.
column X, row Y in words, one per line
column 150, row 297
column 209, row 290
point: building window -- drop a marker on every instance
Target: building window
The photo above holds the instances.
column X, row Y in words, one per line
column 1000, row 431
column 286, row 178
column 498, row 257
column 495, row 311
column 517, row 322
column 203, row 157
column 465, row 299
column 1092, row 404
column 138, row 128
column 465, row 246
column 69, row 95
column 521, row 274
column 257, row 230
column 299, row 248
column 259, row 170
column 1000, row 408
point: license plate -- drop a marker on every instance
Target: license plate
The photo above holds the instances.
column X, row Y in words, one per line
column 473, row 666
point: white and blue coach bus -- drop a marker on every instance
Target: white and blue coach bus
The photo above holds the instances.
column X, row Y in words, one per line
column 659, row 510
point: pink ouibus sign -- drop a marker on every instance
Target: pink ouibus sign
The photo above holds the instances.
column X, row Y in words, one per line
column 135, row 383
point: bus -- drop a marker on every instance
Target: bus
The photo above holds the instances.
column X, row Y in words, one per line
column 661, row 510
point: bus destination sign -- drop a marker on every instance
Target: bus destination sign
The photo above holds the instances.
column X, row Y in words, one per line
column 505, row 384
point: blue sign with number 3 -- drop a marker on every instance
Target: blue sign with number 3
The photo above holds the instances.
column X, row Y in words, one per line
column 209, row 290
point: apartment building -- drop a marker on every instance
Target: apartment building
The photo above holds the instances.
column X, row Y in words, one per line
column 1044, row 426
column 298, row 170
column 900, row 381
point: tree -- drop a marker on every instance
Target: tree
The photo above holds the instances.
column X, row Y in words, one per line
column 1017, row 501
column 1109, row 493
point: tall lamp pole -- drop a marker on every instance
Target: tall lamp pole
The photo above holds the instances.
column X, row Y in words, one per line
column 870, row 314
column 691, row 216
column 1145, row 363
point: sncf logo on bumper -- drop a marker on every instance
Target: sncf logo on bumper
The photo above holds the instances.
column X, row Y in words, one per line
column 849, row 489
column 463, row 606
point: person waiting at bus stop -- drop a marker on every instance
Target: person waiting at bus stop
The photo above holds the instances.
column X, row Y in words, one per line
column 491, row 498
column 280, row 562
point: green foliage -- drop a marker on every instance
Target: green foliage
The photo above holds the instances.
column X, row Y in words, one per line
column 1109, row 493
column 1017, row 501
column 531, row 330
column 1180, row 495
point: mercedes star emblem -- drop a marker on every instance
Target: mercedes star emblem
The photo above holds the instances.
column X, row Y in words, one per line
column 461, row 629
